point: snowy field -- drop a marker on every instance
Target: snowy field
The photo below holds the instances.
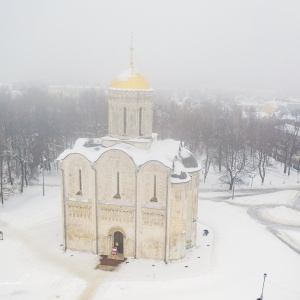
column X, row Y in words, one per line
column 249, row 236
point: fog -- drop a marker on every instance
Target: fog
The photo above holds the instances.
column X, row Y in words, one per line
column 250, row 44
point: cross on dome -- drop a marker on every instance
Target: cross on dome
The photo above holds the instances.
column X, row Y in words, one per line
column 131, row 53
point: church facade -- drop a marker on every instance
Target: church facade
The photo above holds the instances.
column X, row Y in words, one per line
column 128, row 189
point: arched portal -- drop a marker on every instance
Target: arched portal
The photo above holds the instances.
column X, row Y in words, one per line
column 118, row 241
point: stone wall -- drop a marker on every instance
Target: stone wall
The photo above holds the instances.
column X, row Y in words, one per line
column 192, row 210
column 149, row 211
column 152, row 234
column 132, row 101
column 114, row 218
column 78, row 168
column 116, row 168
column 80, row 233
column 153, row 179
column 195, row 198
column 178, row 221
column 78, row 200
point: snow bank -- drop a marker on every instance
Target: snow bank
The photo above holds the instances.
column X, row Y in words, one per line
column 283, row 197
column 292, row 237
column 282, row 214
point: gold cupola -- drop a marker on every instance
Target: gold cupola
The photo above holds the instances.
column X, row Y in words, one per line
column 130, row 108
column 130, row 79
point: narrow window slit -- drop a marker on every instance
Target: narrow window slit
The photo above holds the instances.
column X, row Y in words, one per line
column 154, row 199
column 117, row 195
column 140, row 121
column 79, row 193
column 125, row 120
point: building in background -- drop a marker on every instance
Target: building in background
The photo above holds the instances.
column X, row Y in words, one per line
column 73, row 91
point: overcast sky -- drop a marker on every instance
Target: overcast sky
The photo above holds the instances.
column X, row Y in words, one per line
column 178, row 43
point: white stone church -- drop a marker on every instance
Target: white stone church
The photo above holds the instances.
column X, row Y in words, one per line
column 130, row 190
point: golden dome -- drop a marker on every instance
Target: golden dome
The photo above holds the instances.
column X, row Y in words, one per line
column 130, row 79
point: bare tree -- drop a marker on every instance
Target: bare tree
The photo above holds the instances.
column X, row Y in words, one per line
column 265, row 142
column 161, row 118
column 235, row 159
column 208, row 138
column 1, row 165
column 289, row 143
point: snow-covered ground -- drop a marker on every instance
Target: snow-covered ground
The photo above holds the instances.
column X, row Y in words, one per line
column 274, row 178
column 229, row 263
column 283, row 215
column 282, row 197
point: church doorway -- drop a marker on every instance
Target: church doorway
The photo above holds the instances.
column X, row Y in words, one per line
column 118, row 241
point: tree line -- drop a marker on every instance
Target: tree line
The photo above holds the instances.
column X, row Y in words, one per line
column 235, row 141
column 36, row 127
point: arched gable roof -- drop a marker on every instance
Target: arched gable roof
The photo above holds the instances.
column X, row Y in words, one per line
column 169, row 153
column 115, row 150
column 152, row 162
column 68, row 157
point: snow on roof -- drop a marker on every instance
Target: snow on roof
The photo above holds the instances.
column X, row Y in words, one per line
column 125, row 75
column 136, row 140
column 188, row 159
column 185, row 153
column 276, row 114
column 163, row 151
column 178, row 168
column 261, row 114
column 287, row 117
column 179, row 173
column 272, row 102
column 128, row 89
